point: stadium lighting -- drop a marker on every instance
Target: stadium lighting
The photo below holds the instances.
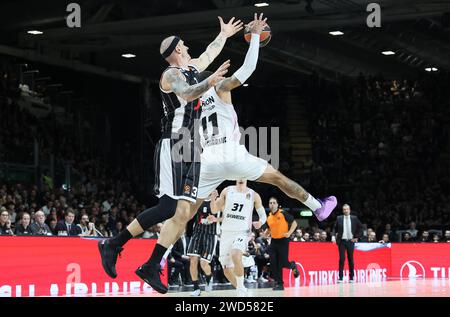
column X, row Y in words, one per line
column 388, row 53
column 35, row 32
column 336, row 33
column 261, row 4
column 128, row 55
column 245, row 85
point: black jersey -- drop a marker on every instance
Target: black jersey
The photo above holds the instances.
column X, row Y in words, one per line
column 179, row 113
column 201, row 225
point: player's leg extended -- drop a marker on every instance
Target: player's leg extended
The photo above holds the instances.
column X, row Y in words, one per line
column 110, row 249
column 149, row 271
column 170, row 233
column 321, row 208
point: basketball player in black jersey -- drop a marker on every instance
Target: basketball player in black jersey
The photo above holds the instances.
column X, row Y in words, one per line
column 174, row 227
column 176, row 177
column 202, row 246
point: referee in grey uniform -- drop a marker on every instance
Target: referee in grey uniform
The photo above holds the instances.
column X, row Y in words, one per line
column 346, row 232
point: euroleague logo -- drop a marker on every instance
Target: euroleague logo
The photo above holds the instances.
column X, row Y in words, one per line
column 412, row 269
column 301, row 279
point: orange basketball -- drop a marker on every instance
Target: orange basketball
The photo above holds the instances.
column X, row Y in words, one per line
column 265, row 37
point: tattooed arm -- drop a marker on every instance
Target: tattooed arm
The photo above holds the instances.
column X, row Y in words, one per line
column 216, row 46
column 228, row 84
column 212, row 51
column 174, row 81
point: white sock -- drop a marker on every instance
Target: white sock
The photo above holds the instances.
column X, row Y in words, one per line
column 240, row 282
column 312, row 203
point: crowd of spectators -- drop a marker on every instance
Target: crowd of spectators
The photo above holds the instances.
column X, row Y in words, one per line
column 380, row 145
column 101, row 210
column 100, row 200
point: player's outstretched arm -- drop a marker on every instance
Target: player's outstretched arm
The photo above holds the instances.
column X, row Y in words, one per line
column 218, row 204
column 261, row 212
column 213, row 50
column 177, row 83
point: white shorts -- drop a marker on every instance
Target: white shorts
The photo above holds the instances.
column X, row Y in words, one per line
column 230, row 240
column 228, row 161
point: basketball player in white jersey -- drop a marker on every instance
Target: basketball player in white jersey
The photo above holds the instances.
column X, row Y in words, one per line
column 237, row 204
column 223, row 158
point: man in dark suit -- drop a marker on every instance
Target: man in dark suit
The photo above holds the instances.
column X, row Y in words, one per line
column 67, row 227
column 346, row 232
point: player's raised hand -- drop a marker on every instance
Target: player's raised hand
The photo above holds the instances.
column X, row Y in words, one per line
column 230, row 28
column 219, row 74
column 258, row 24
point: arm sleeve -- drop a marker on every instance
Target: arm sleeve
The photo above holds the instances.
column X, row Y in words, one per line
column 262, row 215
column 249, row 66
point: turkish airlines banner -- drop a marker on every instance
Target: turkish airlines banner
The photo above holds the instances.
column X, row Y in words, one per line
column 421, row 260
column 67, row 266
column 318, row 263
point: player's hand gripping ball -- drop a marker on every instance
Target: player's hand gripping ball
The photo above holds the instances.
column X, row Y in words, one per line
column 266, row 33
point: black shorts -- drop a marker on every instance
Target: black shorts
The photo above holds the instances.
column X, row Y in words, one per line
column 177, row 169
column 202, row 245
